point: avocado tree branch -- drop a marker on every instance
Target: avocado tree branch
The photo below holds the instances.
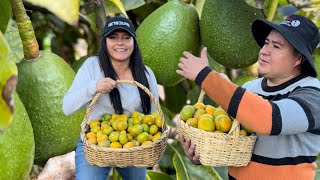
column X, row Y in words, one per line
column 26, row 31
column 273, row 4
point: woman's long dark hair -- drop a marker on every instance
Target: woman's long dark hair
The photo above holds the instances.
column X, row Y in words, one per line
column 138, row 71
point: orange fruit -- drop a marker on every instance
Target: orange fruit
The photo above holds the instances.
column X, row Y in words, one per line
column 158, row 122
column 155, row 114
column 219, row 111
column 115, row 145
column 122, row 117
column 192, row 122
column 94, row 123
column 128, row 145
column 210, row 110
column 142, row 137
column 223, row 123
column 206, row 124
column 123, row 139
column 122, row 125
column 153, row 129
column 107, row 130
column 136, row 121
column 199, row 106
column 91, row 135
column 148, row 119
column 243, row 132
column 249, row 131
column 156, row 136
column 187, row 112
column 145, row 127
column 198, row 113
column 104, row 143
column 93, row 140
column 136, row 130
column 146, row 143
column 114, row 136
column 102, row 137
column 95, row 129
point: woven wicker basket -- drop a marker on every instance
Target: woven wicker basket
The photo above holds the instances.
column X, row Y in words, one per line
column 139, row 156
column 220, row 149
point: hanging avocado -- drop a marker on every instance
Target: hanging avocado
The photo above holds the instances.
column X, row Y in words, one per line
column 41, row 86
column 42, row 82
column 17, row 145
column 225, row 28
column 8, row 81
column 164, row 35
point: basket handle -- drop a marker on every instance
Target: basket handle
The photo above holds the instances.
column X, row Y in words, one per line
column 235, row 129
column 135, row 83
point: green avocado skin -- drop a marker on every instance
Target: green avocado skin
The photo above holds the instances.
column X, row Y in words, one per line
column 41, row 86
column 225, row 28
column 17, row 145
column 164, row 35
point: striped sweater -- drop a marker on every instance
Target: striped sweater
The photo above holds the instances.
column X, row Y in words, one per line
column 286, row 119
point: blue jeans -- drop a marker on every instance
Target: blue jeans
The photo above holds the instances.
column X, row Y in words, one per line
column 86, row 171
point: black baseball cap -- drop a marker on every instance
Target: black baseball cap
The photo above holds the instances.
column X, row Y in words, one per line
column 298, row 30
column 116, row 23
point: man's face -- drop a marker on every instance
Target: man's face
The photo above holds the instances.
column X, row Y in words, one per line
column 276, row 58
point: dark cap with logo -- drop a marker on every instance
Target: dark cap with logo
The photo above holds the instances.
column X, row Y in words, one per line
column 116, row 23
column 298, row 30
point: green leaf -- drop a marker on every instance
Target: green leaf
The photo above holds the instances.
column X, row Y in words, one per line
column 5, row 14
column 187, row 170
column 127, row 4
column 156, row 175
column 193, row 96
column 89, row 19
column 4, row 47
column 119, row 4
column 179, row 163
column 13, row 38
column 168, row 115
column 68, row 11
column 175, row 97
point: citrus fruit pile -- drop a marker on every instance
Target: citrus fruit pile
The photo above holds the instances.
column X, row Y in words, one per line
column 125, row 131
column 209, row 118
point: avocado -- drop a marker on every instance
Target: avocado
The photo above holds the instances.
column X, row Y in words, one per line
column 164, row 35
column 41, row 86
column 8, row 81
column 225, row 28
column 17, row 145
column 5, row 14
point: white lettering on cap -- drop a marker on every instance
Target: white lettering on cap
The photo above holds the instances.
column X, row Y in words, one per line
column 294, row 23
column 117, row 23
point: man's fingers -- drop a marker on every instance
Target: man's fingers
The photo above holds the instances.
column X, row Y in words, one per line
column 204, row 52
column 187, row 54
column 180, row 72
column 191, row 149
column 196, row 157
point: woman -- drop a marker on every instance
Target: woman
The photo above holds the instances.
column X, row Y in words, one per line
column 119, row 58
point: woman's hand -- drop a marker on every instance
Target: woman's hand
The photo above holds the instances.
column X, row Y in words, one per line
column 106, row 85
column 189, row 150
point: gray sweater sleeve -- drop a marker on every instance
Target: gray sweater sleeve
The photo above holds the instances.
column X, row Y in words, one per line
column 153, row 86
column 82, row 89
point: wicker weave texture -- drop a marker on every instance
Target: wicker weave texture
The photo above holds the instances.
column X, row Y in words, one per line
column 220, row 149
column 140, row 156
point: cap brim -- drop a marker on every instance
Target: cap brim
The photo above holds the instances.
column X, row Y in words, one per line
column 106, row 34
column 262, row 28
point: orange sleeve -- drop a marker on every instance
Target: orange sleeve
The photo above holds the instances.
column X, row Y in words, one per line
column 251, row 110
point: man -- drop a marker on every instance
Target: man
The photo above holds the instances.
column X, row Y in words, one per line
column 282, row 107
